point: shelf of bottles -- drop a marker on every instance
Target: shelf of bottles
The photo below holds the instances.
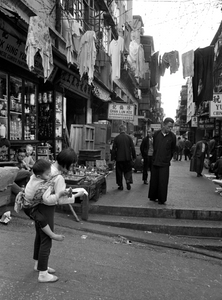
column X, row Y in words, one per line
column 58, row 121
column 46, row 116
column 30, row 111
column 15, row 112
column 19, row 95
column 4, row 151
column 3, row 106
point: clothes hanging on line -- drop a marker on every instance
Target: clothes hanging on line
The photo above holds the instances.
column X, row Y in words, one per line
column 87, row 55
column 171, row 59
column 202, row 80
column 38, row 40
column 116, row 48
column 188, row 64
column 154, row 69
column 72, row 35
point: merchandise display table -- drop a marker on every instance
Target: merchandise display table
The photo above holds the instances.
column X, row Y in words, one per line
column 92, row 178
column 94, row 187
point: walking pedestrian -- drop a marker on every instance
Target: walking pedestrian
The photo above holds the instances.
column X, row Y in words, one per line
column 187, row 148
column 123, row 152
column 180, row 147
column 146, row 149
column 164, row 143
column 200, row 152
column 43, row 243
column 212, row 149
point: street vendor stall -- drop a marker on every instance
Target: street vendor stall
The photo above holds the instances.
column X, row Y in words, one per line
column 91, row 178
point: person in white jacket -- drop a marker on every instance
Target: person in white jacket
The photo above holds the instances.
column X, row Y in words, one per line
column 39, row 189
column 43, row 242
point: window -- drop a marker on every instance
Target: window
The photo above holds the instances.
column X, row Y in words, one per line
column 75, row 8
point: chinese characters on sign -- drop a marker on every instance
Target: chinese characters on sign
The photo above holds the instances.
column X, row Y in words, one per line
column 123, row 112
column 216, row 106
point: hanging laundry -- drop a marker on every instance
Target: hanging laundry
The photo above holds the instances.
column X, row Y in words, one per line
column 140, row 63
column 116, row 48
column 163, row 65
column 87, row 55
column 127, row 37
column 72, row 35
column 136, row 59
column 188, row 64
column 133, row 53
column 38, row 40
column 154, row 69
column 101, row 58
column 171, row 59
column 67, row 34
column 121, row 5
column 203, row 74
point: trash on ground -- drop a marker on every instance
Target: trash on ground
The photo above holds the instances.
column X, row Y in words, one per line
column 83, row 237
column 5, row 218
column 121, row 239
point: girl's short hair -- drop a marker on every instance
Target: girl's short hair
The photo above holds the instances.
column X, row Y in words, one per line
column 40, row 166
column 66, row 158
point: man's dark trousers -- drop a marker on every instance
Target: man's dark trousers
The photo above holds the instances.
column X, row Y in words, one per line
column 147, row 164
column 159, row 183
column 123, row 168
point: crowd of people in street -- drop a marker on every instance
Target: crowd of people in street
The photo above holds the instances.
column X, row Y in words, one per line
column 157, row 149
column 40, row 186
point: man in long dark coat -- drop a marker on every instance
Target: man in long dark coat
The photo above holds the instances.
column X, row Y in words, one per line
column 164, row 144
column 123, row 152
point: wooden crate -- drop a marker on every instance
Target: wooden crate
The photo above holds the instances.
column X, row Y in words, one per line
column 82, row 137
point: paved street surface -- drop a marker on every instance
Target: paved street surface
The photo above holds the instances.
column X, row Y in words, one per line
column 118, row 263
column 185, row 191
column 93, row 267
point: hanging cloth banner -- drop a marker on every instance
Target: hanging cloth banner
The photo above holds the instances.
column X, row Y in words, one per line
column 38, row 40
column 87, row 55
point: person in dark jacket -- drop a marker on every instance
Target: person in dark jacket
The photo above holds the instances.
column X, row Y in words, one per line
column 187, row 148
column 164, row 143
column 200, row 153
column 123, row 152
column 146, row 149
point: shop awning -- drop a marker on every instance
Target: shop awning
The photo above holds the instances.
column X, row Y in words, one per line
column 17, row 8
column 100, row 92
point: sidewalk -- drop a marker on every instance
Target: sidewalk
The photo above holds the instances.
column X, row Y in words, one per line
column 185, row 191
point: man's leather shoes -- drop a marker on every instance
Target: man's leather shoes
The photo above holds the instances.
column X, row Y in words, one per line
column 128, row 186
column 120, row 188
column 145, row 182
column 154, row 200
column 161, row 203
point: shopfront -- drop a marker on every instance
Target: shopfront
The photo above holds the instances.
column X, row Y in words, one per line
column 34, row 111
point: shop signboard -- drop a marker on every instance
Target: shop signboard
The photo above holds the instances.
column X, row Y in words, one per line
column 13, row 50
column 155, row 127
column 185, row 127
column 215, row 106
column 206, row 123
column 194, row 121
column 124, row 112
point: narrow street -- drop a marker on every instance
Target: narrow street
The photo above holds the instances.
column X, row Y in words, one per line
column 92, row 267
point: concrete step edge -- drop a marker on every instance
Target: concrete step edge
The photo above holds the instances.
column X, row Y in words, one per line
column 166, row 226
column 160, row 212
